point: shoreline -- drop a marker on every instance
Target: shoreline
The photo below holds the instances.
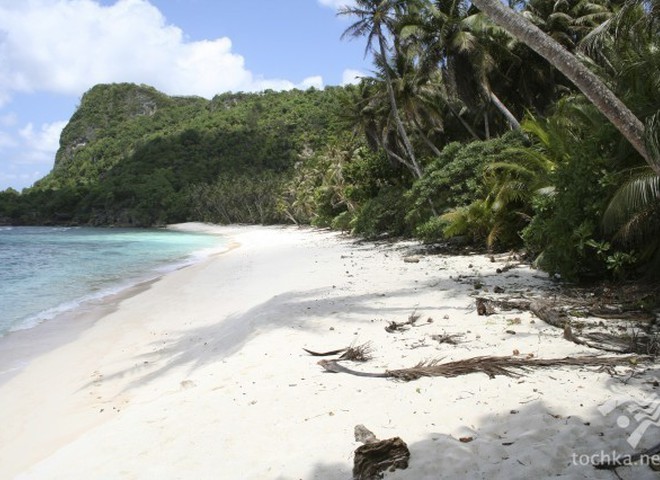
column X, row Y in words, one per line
column 109, row 292
column 202, row 373
column 17, row 345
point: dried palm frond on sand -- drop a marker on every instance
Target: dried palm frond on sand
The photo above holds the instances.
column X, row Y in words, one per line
column 491, row 366
column 355, row 353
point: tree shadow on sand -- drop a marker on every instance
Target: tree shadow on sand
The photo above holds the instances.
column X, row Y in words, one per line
column 204, row 345
column 530, row 442
column 210, row 343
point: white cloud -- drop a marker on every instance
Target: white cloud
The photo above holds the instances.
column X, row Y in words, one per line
column 6, row 140
column 8, row 119
column 351, row 77
column 312, row 82
column 337, row 4
column 21, row 180
column 67, row 46
column 42, row 143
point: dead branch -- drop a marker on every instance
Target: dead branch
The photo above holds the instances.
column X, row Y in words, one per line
column 636, row 343
column 491, row 366
column 549, row 315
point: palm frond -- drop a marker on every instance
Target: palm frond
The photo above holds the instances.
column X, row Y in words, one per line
column 506, row 366
column 638, row 193
column 652, row 140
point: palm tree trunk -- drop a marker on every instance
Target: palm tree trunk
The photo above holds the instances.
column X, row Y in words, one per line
column 426, row 139
column 588, row 83
column 395, row 113
column 515, row 124
column 464, row 123
column 486, row 125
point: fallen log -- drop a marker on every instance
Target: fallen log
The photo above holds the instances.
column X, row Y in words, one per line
column 549, row 315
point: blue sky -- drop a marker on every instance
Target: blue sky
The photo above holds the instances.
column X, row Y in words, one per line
column 52, row 51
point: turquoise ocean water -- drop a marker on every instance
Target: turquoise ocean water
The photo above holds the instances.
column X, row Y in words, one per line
column 48, row 271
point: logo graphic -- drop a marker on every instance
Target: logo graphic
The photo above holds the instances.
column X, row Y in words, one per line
column 645, row 414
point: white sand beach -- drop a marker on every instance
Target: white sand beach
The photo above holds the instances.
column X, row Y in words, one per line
column 202, row 373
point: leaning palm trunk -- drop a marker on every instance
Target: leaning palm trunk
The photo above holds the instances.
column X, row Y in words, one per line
column 416, row 169
column 583, row 78
column 513, row 121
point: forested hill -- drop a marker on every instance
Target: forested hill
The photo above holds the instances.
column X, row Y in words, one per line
column 131, row 155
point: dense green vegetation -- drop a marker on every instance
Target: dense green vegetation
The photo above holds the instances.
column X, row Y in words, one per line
column 462, row 132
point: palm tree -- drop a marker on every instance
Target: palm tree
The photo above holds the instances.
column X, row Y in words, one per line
column 589, row 84
column 626, row 48
column 453, row 37
column 375, row 21
column 568, row 21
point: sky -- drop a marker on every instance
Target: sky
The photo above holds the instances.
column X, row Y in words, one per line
column 53, row 51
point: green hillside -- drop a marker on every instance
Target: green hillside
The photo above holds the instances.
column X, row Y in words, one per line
column 131, row 155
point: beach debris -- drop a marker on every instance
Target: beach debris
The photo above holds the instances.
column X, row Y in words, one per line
column 492, row 366
column 358, row 353
column 411, row 259
column 451, row 339
column 488, row 306
column 325, row 354
column 334, row 367
column 411, row 322
column 507, row 267
column 377, row 456
column 355, row 353
column 627, row 340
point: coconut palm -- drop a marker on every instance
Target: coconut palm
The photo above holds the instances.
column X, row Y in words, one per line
column 568, row 21
column 589, row 84
column 633, row 214
column 376, row 20
column 453, row 37
column 626, row 49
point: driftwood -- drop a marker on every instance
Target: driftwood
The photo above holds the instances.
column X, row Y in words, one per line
column 377, row 456
column 491, row 366
column 637, row 343
column 549, row 315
